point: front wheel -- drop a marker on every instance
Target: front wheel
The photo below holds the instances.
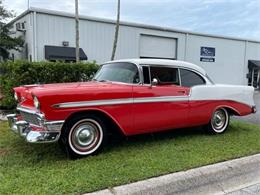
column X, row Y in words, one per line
column 83, row 136
column 219, row 121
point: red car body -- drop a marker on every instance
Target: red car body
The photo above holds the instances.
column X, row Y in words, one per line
column 134, row 107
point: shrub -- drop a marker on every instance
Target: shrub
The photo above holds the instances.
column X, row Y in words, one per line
column 19, row 72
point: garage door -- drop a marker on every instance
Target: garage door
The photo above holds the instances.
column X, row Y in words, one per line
column 157, row 47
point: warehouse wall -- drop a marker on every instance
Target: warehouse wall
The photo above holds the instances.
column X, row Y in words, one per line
column 96, row 39
column 229, row 58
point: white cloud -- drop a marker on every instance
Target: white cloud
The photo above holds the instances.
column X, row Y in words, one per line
column 225, row 17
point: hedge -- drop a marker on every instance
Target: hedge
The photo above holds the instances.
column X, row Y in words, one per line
column 18, row 73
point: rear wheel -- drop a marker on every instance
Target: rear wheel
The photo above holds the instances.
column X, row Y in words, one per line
column 219, row 121
column 84, row 135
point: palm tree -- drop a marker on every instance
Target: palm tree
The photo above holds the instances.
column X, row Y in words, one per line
column 116, row 31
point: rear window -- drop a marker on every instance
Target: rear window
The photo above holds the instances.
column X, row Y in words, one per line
column 190, row 78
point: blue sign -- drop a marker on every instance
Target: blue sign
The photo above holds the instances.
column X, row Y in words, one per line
column 207, row 51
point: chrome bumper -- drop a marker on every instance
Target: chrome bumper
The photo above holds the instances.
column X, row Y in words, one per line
column 48, row 131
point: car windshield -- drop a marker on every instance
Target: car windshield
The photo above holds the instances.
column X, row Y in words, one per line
column 118, row 72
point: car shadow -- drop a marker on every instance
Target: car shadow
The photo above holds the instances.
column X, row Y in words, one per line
column 36, row 153
column 123, row 141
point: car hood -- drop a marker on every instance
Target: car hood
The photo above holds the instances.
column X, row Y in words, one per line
column 64, row 87
column 50, row 94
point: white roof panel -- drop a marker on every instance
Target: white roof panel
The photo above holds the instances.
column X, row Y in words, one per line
column 162, row 62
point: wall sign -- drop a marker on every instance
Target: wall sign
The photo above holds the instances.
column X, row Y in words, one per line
column 207, row 54
column 207, row 59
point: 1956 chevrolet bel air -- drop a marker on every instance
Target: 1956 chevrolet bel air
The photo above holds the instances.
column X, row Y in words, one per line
column 135, row 96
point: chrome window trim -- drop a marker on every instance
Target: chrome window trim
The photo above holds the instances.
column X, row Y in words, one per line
column 207, row 81
column 141, row 67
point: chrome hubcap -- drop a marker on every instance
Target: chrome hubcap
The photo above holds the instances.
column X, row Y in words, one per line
column 85, row 135
column 219, row 120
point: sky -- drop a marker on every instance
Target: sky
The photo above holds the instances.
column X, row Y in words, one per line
column 237, row 18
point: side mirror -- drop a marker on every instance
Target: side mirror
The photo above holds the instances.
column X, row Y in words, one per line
column 154, row 82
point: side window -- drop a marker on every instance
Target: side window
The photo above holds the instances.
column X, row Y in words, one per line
column 189, row 78
column 146, row 75
column 165, row 75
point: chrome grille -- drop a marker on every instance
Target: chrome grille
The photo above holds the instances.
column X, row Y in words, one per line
column 30, row 118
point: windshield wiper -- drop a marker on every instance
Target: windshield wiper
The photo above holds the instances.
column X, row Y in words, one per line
column 103, row 80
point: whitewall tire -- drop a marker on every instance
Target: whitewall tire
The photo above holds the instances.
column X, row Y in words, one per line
column 219, row 121
column 84, row 135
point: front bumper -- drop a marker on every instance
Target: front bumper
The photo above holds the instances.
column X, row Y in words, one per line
column 46, row 132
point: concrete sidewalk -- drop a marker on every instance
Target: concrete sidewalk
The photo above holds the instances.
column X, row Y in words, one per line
column 250, row 190
column 221, row 178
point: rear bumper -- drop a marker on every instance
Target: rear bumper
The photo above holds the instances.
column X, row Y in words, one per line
column 48, row 131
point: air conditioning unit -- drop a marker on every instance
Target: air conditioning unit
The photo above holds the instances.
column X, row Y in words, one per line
column 20, row 26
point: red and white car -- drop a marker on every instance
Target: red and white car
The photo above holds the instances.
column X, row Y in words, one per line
column 133, row 96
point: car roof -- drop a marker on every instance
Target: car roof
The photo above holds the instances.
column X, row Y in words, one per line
column 162, row 62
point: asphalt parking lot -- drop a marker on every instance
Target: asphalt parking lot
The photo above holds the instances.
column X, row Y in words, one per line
column 253, row 118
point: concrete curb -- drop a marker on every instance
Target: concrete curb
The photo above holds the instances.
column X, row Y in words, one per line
column 220, row 178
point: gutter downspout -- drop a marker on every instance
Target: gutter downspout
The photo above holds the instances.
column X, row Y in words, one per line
column 245, row 64
column 186, row 42
column 35, row 58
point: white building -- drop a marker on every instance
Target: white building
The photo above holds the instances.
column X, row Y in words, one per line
column 50, row 35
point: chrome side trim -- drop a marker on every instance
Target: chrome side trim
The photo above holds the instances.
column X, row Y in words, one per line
column 122, row 101
column 161, row 99
column 93, row 103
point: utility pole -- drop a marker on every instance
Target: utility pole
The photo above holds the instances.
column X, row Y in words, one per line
column 116, row 31
column 77, row 29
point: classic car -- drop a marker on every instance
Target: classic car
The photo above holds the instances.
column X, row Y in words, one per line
column 134, row 96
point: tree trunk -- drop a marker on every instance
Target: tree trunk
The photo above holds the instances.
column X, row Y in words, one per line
column 116, row 31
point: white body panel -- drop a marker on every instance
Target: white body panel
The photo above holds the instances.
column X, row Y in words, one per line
column 241, row 94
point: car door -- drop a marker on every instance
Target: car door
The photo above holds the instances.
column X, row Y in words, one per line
column 199, row 111
column 162, row 106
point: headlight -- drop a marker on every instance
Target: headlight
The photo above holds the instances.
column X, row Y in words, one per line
column 16, row 96
column 36, row 102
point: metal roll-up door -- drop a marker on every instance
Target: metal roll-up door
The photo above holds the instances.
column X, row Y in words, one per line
column 157, row 47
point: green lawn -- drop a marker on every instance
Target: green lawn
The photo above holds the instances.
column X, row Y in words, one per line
column 44, row 169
